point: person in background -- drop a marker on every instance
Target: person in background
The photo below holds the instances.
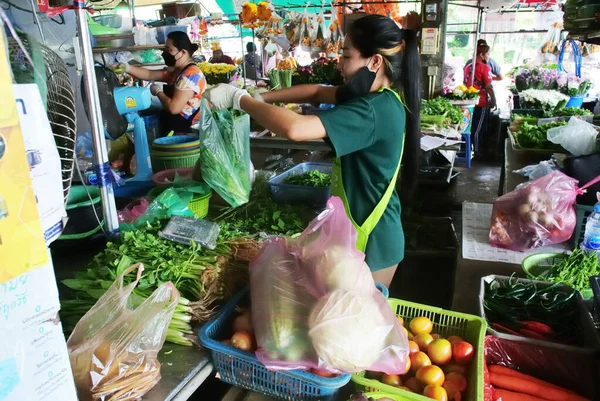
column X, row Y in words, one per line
column 494, row 66
column 219, row 57
column 181, row 96
column 252, row 62
column 487, row 99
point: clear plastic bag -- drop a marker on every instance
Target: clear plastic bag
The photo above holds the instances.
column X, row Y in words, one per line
column 539, row 213
column 113, row 349
column 187, row 229
column 167, row 204
column 314, row 302
column 578, row 137
column 225, row 156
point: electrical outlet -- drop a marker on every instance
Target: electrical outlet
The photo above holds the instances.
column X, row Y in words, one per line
column 432, row 70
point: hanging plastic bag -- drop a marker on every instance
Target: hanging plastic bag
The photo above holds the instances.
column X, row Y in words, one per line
column 225, row 156
column 578, row 137
column 539, row 213
column 550, row 47
column 314, row 302
column 113, row 349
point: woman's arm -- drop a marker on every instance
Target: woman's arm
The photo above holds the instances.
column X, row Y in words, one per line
column 146, row 74
column 284, row 122
column 490, row 90
column 313, row 94
column 175, row 104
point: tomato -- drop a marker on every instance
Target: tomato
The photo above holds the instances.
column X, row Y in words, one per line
column 454, row 339
column 430, row 375
column 453, row 367
column 406, row 332
column 423, row 340
column 410, row 335
column 439, row 351
column 243, row 340
column 419, row 360
column 414, row 347
column 462, row 352
column 421, row 325
column 408, row 363
column 400, row 320
column 413, row 385
column 391, row 380
column 458, row 379
column 436, row 392
column 323, row 373
column 452, row 391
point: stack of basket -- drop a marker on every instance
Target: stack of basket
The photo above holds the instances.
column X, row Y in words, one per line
column 181, row 151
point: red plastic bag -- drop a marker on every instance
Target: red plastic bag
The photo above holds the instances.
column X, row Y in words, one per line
column 537, row 214
column 315, row 304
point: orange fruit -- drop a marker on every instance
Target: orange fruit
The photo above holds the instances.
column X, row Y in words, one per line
column 439, row 351
column 400, row 320
column 423, row 340
column 414, row 347
column 408, row 363
column 430, row 375
column 452, row 391
column 436, row 392
column 421, row 325
column 391, row 380
column 413, row 385
column 419, row 360
column 457, row 379
column 453, row 367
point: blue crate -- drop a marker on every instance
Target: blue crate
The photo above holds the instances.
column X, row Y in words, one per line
column 286, row 193
column 243, row 369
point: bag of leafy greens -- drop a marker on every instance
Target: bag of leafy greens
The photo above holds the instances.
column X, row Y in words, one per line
column 225, row 154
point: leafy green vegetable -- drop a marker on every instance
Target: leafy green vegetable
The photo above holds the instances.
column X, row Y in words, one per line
column 312, row 178
column 441, row 106
column 571, row 111
column 575, row 270
column 534, row 136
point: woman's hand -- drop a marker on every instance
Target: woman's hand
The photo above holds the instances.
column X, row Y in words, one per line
column 120, row 67
column 155, row 89
column 224, row 96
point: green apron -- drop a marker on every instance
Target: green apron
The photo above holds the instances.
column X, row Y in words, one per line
column 337, row 189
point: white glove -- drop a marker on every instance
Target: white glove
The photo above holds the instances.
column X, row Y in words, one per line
column 155, row 89
column 224, row 96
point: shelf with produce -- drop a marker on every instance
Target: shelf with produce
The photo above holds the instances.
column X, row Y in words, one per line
column 99, row 49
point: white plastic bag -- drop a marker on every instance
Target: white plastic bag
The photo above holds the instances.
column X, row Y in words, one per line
column 578, row 137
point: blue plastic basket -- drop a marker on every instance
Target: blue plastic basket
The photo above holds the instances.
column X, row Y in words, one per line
column 176, row 140
column 242, row 369
column 287, row 193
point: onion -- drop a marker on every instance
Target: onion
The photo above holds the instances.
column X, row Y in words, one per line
column 533, row 216
column 524, row 209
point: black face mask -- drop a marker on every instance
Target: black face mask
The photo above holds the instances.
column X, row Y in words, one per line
column 169, row 58
column 359, row 85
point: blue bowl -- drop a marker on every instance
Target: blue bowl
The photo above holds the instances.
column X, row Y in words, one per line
column 175, row 140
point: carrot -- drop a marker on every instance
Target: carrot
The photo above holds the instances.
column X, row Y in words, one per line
column 528, row 387
column 501, row 370
column 512, row 396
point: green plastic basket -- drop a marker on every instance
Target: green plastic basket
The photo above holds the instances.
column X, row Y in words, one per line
column 445, row 323
column 198, row 205
column 160, row 163
column 379, row 395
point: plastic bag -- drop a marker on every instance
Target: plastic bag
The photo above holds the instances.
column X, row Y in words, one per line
column 535, row 171
column 578, row 137
column 167, row 204
column 550, row 47
column 314, row 302
column 575, row 371
column 225, row 156
column 113, row 349
column 537, row 214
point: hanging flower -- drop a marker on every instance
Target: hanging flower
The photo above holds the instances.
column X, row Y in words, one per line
column 264, row 11
column 249, row 13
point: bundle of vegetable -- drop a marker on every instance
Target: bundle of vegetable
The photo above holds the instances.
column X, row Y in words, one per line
column 440, row 106
column 510, row 385
column 524, row 308
column 225, row 154
column 574, row 270
column 312, row 178
column 196, row 272
column 571, row 111
column 540, row 213
column 531, row 136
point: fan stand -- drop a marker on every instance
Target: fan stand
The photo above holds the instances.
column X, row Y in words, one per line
column 143, row 171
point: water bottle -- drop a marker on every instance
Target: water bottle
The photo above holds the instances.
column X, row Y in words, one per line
column 86, row 162
column 591, row 239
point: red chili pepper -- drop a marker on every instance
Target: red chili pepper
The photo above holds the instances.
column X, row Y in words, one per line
column 532, row 334
column 505, row 329
column 538, row 327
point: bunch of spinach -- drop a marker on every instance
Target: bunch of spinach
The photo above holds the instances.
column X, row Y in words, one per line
column 312, row 178
column 441, row 106
column 535, row 136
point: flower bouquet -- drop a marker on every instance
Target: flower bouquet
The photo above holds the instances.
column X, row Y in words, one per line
column 535, row 78
column 217, row 73
column 573, row 86
column 462, row 95
column 547, row 100
column 325, row 71
column 303, row 75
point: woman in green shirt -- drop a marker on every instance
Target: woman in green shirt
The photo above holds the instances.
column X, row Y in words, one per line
column 370, row 129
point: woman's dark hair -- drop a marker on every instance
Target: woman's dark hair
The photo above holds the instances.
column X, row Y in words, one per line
column 250, row 47
column 182, row 42
column 376, row 34
column 483, row 49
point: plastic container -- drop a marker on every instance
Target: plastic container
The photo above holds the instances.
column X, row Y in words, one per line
column 575, row 101
column 582, row 212
column 590, row 337
column 184, row 230
column 167, row 177
column 163, row 31
column 287, row 193
column 175, row 141
column 445, row 323
column 161, row 162
column 242, row 369
column 591, row 237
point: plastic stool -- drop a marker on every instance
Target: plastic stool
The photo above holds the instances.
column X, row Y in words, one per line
column 465, row 150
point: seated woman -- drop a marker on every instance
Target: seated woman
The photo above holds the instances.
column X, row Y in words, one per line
column 185, row 84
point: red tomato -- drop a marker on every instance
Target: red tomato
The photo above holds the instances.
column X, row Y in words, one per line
column 463, row 352
column 458, row 379
column 322, row 373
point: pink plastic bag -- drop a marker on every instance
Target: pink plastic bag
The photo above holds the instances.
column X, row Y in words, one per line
column 537, row 214
column 315, row 304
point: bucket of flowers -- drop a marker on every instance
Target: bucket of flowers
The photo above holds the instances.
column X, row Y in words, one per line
column 462, row 95
column 217, row 73
column 575, row 87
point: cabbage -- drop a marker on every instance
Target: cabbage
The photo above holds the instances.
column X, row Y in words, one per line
column 343, row 329
column 339, row 269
